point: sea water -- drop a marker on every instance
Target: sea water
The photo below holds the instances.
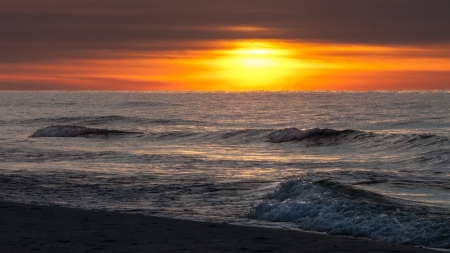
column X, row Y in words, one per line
column 364, row 164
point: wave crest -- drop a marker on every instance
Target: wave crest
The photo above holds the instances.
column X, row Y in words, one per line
column 331, row 207
column 74, row 131
column 294, row 134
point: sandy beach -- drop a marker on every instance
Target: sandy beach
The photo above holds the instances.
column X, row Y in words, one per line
column 31, row 228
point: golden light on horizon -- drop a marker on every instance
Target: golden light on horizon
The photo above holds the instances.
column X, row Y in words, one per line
column 244, row 65
column 256, row 65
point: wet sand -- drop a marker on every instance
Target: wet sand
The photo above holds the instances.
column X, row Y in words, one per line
column 30, row 228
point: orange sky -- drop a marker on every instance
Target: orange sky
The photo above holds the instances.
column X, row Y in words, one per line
column 253, row 45
column 245, row 65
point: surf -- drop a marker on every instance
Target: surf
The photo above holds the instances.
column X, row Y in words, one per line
column 338, row 209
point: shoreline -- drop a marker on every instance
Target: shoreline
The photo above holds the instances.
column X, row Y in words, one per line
column 26, row 228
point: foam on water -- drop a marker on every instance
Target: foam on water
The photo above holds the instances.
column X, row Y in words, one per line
column 326, row 206
column 73, row 131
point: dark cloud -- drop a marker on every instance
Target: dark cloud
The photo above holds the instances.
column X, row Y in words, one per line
column 36, row 30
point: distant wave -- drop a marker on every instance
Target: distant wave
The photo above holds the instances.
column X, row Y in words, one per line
column 294, row 134
column 334, row 208
column 110, row 119
column 363, row 138
column 74, row 131
column 245, row 134
column 233, row 136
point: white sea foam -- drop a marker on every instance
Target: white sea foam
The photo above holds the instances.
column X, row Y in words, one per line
column 337, row 209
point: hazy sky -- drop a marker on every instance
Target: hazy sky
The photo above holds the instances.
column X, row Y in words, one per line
column 57, row 44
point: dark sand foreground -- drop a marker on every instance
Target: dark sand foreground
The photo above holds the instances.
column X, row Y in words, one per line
column 29, row 228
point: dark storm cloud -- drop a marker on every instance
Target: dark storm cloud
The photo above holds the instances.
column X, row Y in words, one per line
column 38, row 30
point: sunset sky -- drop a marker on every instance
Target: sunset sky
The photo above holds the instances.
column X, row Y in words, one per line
column 230, row 45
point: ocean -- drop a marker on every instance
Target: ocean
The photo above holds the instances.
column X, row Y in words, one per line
column 364, row 164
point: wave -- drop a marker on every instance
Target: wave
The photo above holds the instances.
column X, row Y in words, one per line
column 294, row 134
column 424, row 145
column 334, row 208
column 235, row 136
column 245, row 134
column 360, row 139
column 101, row 120
column 74, row 131
column 89, row 120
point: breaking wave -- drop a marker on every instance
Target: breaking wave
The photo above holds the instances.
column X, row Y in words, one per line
column 74, row 131
column 334, row 208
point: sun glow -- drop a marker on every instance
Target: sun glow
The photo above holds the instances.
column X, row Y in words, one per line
column 270, row 65
column 257, row 65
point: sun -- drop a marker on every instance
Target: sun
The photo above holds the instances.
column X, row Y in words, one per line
column 257, row 66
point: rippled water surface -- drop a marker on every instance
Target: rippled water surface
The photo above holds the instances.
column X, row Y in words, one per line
column 371, row 164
